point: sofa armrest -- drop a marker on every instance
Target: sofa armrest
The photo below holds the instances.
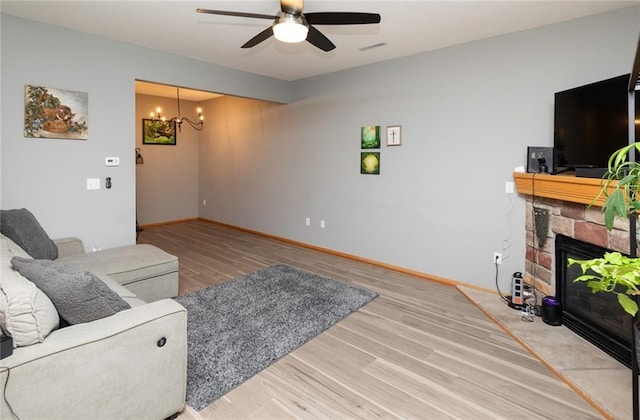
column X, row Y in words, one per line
column 128, row 365
column 69, row 246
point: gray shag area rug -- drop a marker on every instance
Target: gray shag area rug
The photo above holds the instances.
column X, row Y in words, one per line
column 240, row 327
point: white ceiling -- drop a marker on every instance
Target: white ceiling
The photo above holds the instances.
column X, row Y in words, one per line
column 407, row 27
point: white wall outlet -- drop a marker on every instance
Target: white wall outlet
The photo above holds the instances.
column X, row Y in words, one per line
column 93, row 183
column 508, row 187
column 322, row 224
column 307, row 221
column 497, row 258
column 204, row 202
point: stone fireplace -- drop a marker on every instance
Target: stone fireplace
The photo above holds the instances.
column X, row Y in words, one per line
column 558, row 211
column 574, row 220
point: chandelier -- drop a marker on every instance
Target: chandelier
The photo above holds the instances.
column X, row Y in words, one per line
column 157, row 116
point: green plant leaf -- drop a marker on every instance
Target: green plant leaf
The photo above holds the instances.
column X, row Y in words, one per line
column 584, row 277
column 615, row 258
column 614, row 205
column 619, row 156
column 628, row 179
column 628, row 304
column 597, row 286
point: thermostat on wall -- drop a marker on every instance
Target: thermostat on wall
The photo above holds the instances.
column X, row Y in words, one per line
column 112, row 161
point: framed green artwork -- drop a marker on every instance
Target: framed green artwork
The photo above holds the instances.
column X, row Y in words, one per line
column 370, row 137
column 158, row 132
column 370, row 163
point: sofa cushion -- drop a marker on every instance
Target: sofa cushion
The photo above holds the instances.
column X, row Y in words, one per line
column 79, row 296
column 22, row 227
column 126, row 264
column 26, row 313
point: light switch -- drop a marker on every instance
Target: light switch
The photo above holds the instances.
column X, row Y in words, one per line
column 508, row 187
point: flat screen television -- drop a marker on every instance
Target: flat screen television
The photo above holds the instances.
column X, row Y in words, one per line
column 590, row 123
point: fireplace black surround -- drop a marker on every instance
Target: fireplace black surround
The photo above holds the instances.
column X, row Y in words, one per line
column 597, row 317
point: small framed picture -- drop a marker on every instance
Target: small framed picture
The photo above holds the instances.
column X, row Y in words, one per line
column 52, row 113
column 394, row 135
column 158, row 132
column 370, row 163
column 370, row 137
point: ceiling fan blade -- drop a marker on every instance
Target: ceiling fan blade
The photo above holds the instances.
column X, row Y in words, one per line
column 316, row 38
column 292, row 7
column 262, row 36
column 341, row 18
column 239, row 14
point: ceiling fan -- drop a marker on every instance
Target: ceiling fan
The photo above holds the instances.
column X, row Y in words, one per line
column 290, row 24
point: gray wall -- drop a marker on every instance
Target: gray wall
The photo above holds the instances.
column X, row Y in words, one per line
column 167, row 182
column 49, row 176
column 439, row 206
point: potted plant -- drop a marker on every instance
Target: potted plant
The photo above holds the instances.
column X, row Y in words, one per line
column 614, row 272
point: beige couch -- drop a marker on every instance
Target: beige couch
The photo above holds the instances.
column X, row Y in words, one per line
column 129, row 365
column 145, row 270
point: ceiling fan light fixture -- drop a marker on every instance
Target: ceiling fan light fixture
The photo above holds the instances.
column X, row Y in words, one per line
column 291, row 29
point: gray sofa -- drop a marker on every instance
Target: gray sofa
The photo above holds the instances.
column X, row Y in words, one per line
column 129, row 364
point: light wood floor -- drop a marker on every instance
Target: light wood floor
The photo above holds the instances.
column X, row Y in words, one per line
column 419, row 351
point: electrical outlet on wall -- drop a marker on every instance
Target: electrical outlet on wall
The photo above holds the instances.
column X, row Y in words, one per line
column 93, row 183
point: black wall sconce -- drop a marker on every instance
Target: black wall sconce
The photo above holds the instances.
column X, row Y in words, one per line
column 139, row 158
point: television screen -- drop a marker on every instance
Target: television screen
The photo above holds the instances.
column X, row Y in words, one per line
column 591, row 123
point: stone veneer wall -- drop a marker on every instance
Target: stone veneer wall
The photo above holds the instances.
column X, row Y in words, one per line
column 578, row 221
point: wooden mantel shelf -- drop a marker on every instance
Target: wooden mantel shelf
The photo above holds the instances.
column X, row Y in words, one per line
column 559, row 187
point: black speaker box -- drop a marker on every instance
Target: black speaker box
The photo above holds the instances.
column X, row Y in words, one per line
column 590, row 172
column 551, row 311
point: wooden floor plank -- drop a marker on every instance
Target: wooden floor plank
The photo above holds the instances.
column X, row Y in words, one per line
column 296, row 380
column 419, row 351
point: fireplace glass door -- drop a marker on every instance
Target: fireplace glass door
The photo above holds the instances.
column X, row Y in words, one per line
column 596, row 317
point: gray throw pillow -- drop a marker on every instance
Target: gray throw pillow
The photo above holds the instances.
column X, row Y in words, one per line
column 79, row 296
column 21, row 226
